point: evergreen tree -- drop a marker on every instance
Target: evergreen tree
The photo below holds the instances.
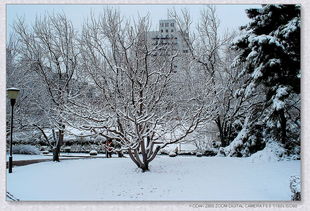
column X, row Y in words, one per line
column 270, row 50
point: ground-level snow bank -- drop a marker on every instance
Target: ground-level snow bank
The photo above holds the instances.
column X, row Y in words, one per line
column 273, row 151
column 178, row 178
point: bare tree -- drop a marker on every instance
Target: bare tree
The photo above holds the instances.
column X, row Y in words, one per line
column 133, row 81
column 49, row 48
column 19, row 75
column 211, row 51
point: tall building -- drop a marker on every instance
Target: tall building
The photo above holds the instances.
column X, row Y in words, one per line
column 169, row 39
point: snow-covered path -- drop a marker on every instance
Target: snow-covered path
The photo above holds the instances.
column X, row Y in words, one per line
column 178, row 178
column 27, row 157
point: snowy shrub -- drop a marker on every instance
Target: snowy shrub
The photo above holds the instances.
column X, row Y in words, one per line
column 295, row 188
column 172, row 154
column 93, row 152
column 45, row 152
column 27, row 137
column 25, row 149
column 273, row 151
column 216, row 144
column 163, row 152
column 294, row 157
column 67, row 149
column 294, row 153
column 176, row 150
column 84, row 148
column 211, row 152
column 44, row 148
column 221, row 152
column 75, row 148
column 198, row 154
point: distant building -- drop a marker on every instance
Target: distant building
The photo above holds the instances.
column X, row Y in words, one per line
column 168, row 39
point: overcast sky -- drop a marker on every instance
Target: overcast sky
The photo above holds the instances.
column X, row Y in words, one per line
column 231, row 16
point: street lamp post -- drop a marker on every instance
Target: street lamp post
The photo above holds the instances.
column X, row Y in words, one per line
column 12, row 95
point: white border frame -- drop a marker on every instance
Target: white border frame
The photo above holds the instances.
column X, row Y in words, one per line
column 164, row 206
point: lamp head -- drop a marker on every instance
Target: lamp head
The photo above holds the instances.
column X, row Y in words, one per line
column 13, row 93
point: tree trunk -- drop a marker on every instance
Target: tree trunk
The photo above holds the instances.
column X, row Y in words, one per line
column 56, row 152
column 219, row 126
column 56, row 149
column 134, row 155
column 145, row 166
column 283, row 126
column 148, row 154
column 120, row 154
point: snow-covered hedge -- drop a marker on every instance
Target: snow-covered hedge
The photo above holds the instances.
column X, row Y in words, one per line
column 85, row 148
column 27, row 138
column 45, row 152
column 35, row 137
column 163, row 152
column 93, row 152
column 25, row 149
column 172, row 154
column 67, row 149
column 198, row 154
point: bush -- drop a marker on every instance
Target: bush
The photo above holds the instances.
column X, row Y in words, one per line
column 45, row 152
column 25, row 149
column 172, row 154
column 67, row 149
column 211, row 152
column 163, row 152
column 93, row 152
column 295, row 188
column 273, row 151
column 198, row 154
column 44, row 148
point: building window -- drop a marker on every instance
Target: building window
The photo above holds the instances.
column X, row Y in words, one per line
column 172, row 24
column 171, row 30
column 161, row 25
column 161, row 30
column 185, row 51
column 167, row 30
column 166, row 24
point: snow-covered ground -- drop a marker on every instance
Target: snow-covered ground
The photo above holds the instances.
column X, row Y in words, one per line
column 179, row 178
